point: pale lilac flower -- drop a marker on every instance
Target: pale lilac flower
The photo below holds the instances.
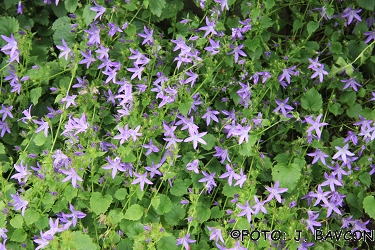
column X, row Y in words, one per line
column 215, row 234
column 370, row 36
column 147, row 36
column 43, row 241
column 319, row 72
column 315, row 125
column 318, row 154
column 350, row 14
column 275, row 192
column 193, row 166
column 222, row 153
column 65, row 50
column 185, row 241
column 2, row 233
column 6, row 111
column 352, row 83
column 141, row 179
column 311, row 221
column 99, row 10
column 246, row 211
column 209, row 179
column 230, row 174
column 151, row 148
column 115, row 165
column 74, row 215
column 196, row 137
column 214, row 48
column 43, row 126
column 69, row 100
column 11, row 48
column 19, row 203
column 71, row 175
column 210, row 28
column 343, row 153
column 237, row 52
column 88, row 58
column 137, row 71
column 223, row 4
column 241, row 178
column 23, row 173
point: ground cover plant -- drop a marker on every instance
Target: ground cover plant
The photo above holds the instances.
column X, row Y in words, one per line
column 171, row 124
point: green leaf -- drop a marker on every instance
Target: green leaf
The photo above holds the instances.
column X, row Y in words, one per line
column 129, row 157
column 336, row 48
column 71, row 5
column 365, row 178
column 64, row 31
column 17, row 221
column 121, row 194
column 216, row 213
column 116, row 216
column 369, row 206
column 336, row 109
column 210, row 140
column 203, row 213
column 83, row 241
column 247, row 148
column 59, row 22
column 165, row 204
column 157, row 7
column 179, row 188
column 288, row 176
column 167, row 242
column 18, row 235
column 155, row 201
column 10, row 3
column 297, row 24
column 269, row 4
column 42, row 17
column 31, row 216
column 266, row 22
column 312, row 100
column 131, row 30
column 70, row 192
column 40, row 139
column 8, row 25
column 312, row 27
column 252, row 44
column 176, row 215
column 100, row 204
column 59, row 10
column 354, row 111
column 35, row 94
column 88, row 15
column 3, row 156
column 134, row 212
column 145, row 3
column 184, row 108
column 366, row 4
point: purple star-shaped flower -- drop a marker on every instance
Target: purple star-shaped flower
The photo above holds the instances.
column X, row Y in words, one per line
column 137, row 71
column 71, row 175
column 141, row 179
column 237, row 52
column 147, row 36
column 115, row 165
column 318, row 154
column 284, row 107
column 19, row 203
column 185, row 241
column 350, row 14
column 352, row 83
column 196, row 137
column 99, row 10
column 246, row 211
column 275, row 192
column 343, row 153
column 65, row 50
column 210, row 28
column 315, row 125
column 74, row 215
